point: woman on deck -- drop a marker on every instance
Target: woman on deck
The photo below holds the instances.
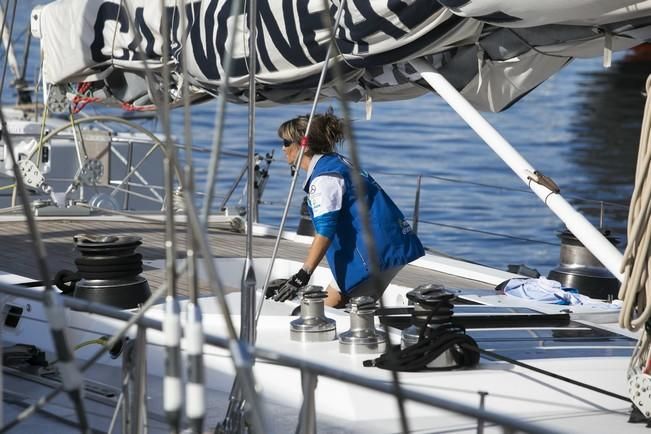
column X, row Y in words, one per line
column 334, row 209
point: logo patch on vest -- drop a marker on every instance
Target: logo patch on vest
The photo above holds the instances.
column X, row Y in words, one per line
column 406, row 228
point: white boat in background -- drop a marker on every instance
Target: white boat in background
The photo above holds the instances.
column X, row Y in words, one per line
column 215, row 356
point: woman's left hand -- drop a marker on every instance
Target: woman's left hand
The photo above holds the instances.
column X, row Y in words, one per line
column 291, row 287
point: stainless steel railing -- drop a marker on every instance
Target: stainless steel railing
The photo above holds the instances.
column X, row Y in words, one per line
column 310, row 371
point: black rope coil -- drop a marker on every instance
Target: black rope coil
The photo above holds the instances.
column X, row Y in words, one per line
column 433, row 317
column 435, row 313
column 102, row 258
column 416, row 357
column 109, row 267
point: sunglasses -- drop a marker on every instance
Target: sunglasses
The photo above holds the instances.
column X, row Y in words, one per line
column 287, row 143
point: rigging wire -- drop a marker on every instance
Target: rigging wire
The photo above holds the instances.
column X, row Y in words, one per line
column 219, row 118
column 72, row 379
column 495, row 234
column 299, row 158
column 234, row 418
column 200, row 149
column 370, row 243
column 497, row 356
column 172, row 385
column 9, row 398
column 496, row 187
column 195, row 402
column 237, row 350
column 54, row 309
column 2, row 29
column 367, row 235
column 9, row 44
column 116, row 338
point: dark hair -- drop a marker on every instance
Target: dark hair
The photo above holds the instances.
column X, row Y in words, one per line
column 326, row 132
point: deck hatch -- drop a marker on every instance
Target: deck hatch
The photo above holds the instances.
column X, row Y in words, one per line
column 521, row 333
column 13, row 315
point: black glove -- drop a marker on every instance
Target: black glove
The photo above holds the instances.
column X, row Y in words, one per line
column 273, row 287
column 291, row 287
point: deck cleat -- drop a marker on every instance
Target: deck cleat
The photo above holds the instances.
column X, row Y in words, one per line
column 313, row 325
column 363, row 337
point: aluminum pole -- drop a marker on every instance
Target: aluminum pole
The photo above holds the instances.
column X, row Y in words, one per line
column 591, row 238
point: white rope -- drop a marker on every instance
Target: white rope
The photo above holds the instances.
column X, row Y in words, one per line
column 636, row 266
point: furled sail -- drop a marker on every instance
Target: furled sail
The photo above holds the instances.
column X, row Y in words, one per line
column 111, row 44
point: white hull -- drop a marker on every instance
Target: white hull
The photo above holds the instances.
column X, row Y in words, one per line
column 511, row 390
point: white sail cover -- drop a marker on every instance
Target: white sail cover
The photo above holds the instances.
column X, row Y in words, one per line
column 116, row 45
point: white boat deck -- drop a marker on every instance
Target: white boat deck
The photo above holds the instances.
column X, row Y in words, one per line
column 57, row 235
column 578, row 346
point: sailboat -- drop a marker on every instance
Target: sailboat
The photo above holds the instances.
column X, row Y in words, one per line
column 215, row 356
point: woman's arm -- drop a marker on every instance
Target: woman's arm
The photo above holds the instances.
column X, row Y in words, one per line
column 316, row 253
column 326, row 196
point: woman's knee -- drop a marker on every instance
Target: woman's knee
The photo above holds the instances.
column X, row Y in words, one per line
column 335, row 298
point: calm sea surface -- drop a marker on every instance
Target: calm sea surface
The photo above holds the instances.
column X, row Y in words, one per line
column 581, row 128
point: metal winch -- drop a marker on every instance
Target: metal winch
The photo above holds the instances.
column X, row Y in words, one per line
column 313, row 325
column 432, row 314
column 363, row 337
column 581, row 270
column 109, row 268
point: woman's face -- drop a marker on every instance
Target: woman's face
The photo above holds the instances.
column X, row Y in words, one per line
column 290, row 149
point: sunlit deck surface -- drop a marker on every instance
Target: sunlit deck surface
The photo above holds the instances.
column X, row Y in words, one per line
column 18, row 255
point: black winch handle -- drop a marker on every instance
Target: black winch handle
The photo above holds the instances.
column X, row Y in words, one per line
column 66, row 280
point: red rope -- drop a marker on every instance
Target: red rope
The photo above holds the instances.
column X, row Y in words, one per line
column 83, row 98
column 79, row 102
column 133, row 108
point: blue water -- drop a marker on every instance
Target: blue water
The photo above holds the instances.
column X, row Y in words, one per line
column 581, row 128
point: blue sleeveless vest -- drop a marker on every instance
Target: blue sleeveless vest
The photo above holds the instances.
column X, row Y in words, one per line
column 348, row 257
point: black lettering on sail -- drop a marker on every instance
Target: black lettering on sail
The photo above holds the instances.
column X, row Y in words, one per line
column 261, row 46
column 144, row 32
column 310, row 23
column 173, row 23
column 375, row 22
column 372, row 24
column 287, row 44
column 107, row 12
column 413, row 14
column 238, row 64
column 204, row 53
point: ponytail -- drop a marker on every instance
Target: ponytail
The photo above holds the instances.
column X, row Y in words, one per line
column 326, row 132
